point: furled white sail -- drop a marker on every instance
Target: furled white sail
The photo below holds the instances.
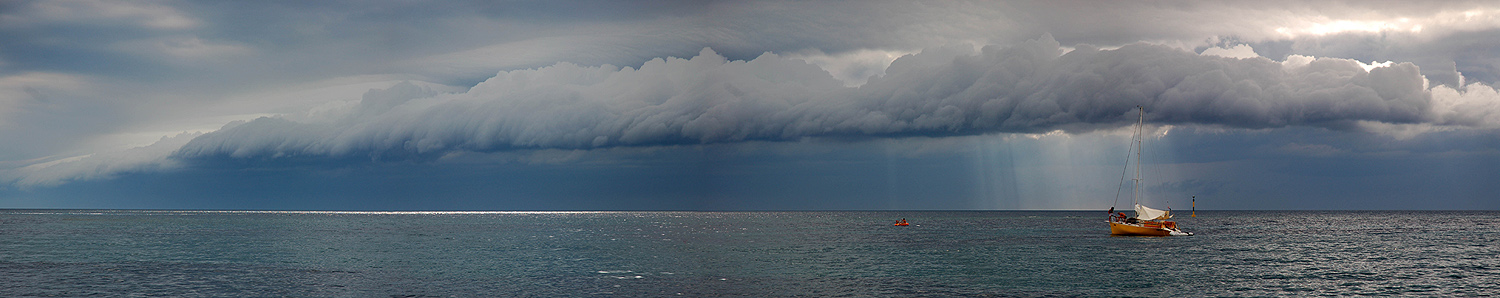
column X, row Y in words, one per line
column 1146, row 213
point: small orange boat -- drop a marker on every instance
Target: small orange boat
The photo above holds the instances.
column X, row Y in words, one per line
column 902, row 223
column 1147, row 221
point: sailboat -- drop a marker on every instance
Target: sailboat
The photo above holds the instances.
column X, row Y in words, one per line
column 1147, row 221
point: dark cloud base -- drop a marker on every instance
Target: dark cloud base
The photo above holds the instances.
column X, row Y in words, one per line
column 1294, row 169
column 692, row 182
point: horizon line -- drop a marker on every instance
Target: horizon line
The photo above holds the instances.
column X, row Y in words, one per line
column 458, row 212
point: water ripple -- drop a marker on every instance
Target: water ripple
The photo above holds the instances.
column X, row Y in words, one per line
column 740, row 254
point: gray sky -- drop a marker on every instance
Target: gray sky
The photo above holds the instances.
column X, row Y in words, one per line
column 742, row 105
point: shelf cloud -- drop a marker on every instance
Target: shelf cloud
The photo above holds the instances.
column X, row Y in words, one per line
column 1027, row 88
column 1015, row 104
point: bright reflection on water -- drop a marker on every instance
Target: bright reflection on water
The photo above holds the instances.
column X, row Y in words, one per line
column 463, row 254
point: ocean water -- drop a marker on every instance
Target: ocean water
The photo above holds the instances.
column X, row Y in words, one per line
column 71, row 253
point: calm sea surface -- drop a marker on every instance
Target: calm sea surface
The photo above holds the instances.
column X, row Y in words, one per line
column 759, row 254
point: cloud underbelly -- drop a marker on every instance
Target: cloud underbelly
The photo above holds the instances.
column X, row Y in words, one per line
column 1031, row 87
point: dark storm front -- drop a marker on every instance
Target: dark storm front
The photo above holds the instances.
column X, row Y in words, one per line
column 1009, row 253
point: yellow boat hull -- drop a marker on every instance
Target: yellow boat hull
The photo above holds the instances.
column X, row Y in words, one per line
column 1122, row 229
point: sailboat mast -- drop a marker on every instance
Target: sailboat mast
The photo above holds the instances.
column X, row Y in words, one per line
column 1140, row 121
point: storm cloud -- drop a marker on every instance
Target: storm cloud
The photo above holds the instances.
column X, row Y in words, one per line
column 1028, row 88
column 297, row 101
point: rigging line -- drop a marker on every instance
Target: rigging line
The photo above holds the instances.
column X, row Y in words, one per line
column 1140, row 140
column 1123, row 171
column 1126, row 170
